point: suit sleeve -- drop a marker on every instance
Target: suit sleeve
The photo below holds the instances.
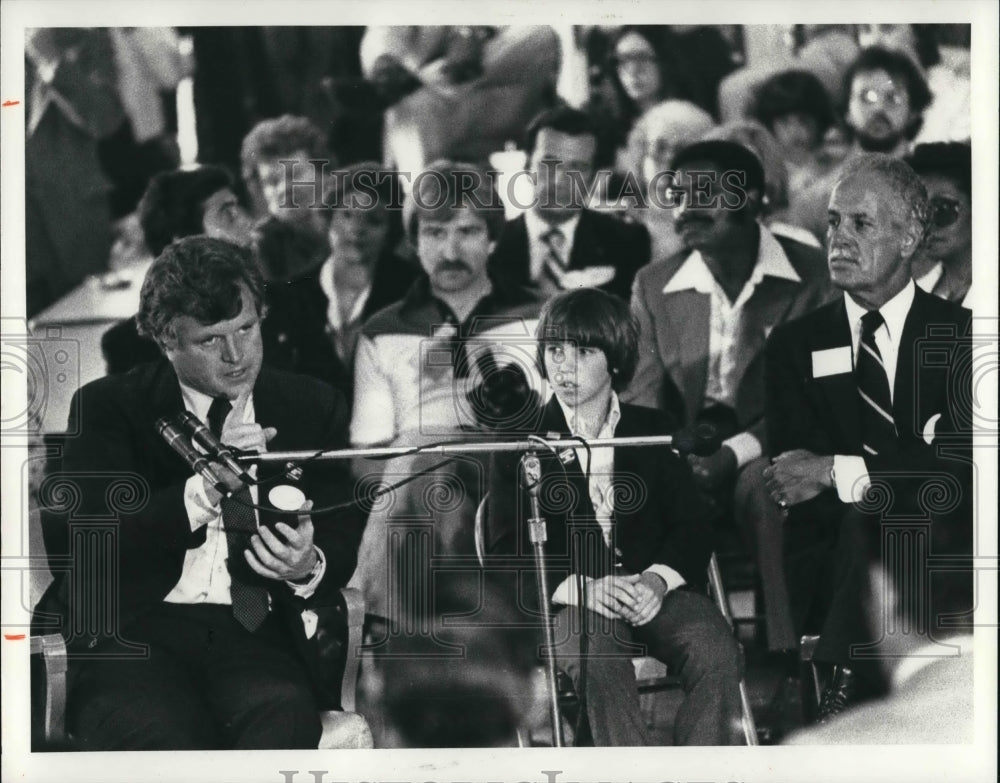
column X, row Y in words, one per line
column 103, row 478
column 791, row 422
column 690, row 540
column 644, row 389
column 104, row 462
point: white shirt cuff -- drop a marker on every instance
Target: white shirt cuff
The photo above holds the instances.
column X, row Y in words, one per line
column 930, row 429
column 567, row 594
column 852, row 477
column 306, row 590
column 667, row 574
column 745, row 446
column 199, row 510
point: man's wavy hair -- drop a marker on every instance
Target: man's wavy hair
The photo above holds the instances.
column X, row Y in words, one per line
column 592, row 318
column 198, row 277
column 904, row 181
column 173, row 205
column 279, row 138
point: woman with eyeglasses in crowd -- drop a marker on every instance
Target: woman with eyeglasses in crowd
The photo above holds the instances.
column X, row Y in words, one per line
column 647, row 64
column 945, row 264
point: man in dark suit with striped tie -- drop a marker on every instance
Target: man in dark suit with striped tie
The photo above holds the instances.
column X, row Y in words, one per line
column 869, row 420
column 559, row 243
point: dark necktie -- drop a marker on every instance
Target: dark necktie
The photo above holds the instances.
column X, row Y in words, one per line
column 878, row 428
column 240, row 523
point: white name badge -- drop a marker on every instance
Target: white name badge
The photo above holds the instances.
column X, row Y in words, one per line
column 832, row 361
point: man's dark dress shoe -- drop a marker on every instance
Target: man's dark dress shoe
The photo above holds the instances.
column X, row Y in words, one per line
column 840, row 694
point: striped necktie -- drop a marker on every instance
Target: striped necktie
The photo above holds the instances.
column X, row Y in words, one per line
column 555, row 264
column 250, row 605
column 878, row 428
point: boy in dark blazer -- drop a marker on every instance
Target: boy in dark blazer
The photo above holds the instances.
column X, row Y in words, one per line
column 628, row 537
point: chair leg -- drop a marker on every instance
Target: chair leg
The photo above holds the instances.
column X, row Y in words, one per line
column 810, row 700
column 718, row 591
column 749, row 724
column 722, row 601
column 52, row 650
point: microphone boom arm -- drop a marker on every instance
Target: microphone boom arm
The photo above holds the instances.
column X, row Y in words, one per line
column 466, row 447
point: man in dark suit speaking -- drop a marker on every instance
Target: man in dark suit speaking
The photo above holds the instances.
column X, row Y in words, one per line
column 559, row 243
column 869, row 419
column 201, row 639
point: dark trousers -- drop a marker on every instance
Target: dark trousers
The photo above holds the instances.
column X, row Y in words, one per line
column 691, row 637
column 762, row 527
column 830, row 579
column 206, row 684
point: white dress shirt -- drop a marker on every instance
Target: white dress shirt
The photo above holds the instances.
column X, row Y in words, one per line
column 204, row 576
column 726, row 324
column 851, row 473
column 599, row 468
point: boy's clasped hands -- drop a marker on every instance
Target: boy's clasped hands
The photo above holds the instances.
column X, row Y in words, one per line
column 634, row 598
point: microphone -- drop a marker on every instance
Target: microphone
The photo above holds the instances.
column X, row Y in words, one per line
column 217, row 450
column 532, row 468
column 702, row 440
column 198, row 462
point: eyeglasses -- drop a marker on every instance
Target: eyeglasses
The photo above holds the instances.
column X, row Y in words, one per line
column 636, row 58
column 944, row 212
column 872, row 96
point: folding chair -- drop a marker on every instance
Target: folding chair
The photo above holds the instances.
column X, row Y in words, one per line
column 652, row 674
column 341, row 728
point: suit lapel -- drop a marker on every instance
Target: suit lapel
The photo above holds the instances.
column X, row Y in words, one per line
column 841, row 390
column 690, row 321
column 905, row 392
column 629, row 463
column 588, row 249
column 766, row 308
column 554, row 425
